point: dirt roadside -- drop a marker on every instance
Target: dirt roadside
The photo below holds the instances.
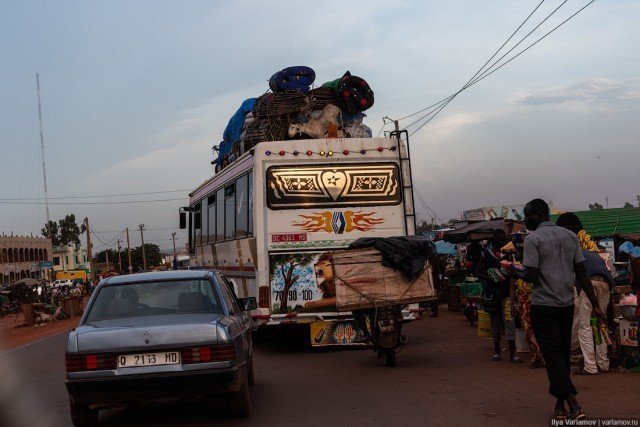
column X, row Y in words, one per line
column 14, row 334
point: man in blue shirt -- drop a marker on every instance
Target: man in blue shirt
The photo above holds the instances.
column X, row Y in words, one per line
column 553, row 260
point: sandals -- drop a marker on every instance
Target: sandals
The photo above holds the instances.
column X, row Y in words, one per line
column 577, row 415
column 496, row 357
column 535, row 364
column 516, row 359
column 560, row 414
column 582, row 371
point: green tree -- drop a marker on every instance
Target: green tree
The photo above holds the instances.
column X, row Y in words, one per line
column 101, row 257
column 50, row 231
column 69, row 230
column 64, row 232
column 596, row 207
column 286, row 264
column 627, row 205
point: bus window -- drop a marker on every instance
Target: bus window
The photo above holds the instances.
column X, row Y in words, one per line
column 197, row 224
column 211, row 223
column 220, row 215
column 230, row 206
column 250, row 179
column 204, row 226
column 241, row 213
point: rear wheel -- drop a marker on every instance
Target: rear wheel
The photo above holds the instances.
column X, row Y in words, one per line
column 82, row 415
column 389, row 357
column 239, row 403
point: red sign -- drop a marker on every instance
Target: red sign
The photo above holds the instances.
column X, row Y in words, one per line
column 288, row 237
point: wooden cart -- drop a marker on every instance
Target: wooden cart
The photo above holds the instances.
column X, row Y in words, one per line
column 363, row 282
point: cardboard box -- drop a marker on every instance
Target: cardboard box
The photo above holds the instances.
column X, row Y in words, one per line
column 628, row 333
column 363, row 282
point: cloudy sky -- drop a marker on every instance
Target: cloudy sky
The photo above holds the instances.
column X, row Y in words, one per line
column 134, row 94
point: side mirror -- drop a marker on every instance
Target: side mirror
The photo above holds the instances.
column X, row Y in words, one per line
column 248, row 304
column 183, row 220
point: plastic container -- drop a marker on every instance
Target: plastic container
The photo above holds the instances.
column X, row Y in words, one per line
column 484, row 324
column 595, row 328
column 626, row 247
column 629, row 312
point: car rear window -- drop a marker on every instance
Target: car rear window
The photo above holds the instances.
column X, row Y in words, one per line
column 154, row 298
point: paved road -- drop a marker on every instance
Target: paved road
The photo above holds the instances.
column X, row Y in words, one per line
column 443, row 377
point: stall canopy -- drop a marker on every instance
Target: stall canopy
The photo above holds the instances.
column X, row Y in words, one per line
column 482, row 230
column 445, row 248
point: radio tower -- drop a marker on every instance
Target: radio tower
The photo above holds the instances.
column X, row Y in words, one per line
column 44, row 169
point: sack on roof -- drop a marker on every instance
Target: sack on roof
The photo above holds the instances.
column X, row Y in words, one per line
column 354, row 92
column 298, row 79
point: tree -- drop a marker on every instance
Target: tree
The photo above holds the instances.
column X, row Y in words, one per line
column 151, row 252
column 64, row 232
column 50, row 231
column 627, row 205
column 69, row 230
column 286, row 264
column 596, row 207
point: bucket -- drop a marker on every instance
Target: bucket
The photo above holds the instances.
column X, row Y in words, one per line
column 521, row 341
column 484, row 324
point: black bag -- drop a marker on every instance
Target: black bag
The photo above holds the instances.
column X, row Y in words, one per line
column 491, row 299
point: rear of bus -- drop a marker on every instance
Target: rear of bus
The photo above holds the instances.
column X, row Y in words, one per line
column 318, row 196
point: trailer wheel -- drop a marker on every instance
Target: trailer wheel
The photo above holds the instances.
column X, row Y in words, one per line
column 389, row 357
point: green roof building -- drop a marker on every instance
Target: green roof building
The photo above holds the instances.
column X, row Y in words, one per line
column 608, row 222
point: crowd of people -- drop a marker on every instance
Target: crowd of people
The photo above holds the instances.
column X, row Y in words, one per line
column 559, row 289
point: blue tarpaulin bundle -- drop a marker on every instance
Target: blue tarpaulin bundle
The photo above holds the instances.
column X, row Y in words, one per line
column 234, row 129
column 298, row 78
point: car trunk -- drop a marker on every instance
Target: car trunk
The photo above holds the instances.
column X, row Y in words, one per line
column 147, row 333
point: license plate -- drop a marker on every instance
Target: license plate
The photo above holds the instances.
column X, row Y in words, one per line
column 149, row 359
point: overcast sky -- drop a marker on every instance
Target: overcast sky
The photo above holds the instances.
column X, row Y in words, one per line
column 134, row 94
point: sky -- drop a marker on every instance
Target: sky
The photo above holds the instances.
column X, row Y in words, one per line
column 134, row 94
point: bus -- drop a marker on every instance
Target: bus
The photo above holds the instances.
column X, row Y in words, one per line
column 268, row 220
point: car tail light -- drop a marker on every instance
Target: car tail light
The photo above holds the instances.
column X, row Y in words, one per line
column 90, row 362
column 215, row 353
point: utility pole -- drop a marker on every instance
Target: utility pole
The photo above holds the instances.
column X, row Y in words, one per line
column 638, row 197
column 173, row 237
column 119, row 257
column 129, row 252
column 89, row 254
column 144, row 258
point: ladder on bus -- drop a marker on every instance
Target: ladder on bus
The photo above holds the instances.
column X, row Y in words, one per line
column 406, row 180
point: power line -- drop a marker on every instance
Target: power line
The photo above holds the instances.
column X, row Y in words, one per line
column 481, row 68
column 479, row 76
column 120, row 202
column 96, row 196
column 470, row 82
column 487, row 73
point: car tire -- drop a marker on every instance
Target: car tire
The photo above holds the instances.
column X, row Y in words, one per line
column 239, row 402
column 82, row 415
column 251, row 376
